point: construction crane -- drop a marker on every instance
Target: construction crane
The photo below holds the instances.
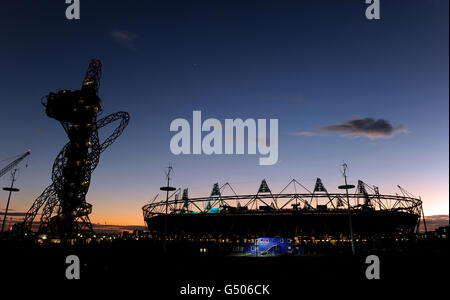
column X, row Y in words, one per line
column 14, row 163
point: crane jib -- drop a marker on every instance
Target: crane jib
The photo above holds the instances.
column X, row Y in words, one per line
column 13, row 164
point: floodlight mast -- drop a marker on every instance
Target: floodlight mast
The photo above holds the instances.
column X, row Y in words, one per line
column 10, row 189
column 167, row 188
column 346, row 187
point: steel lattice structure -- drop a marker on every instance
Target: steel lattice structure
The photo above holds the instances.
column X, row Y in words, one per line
column 63, row 206
column 319, row 204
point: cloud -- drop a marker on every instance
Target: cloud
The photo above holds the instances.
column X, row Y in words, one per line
column 39, row 131
column 306, row 133
column 355, row 128
column 434, row 222
column 17, row 214
column 125, row 38
column 368, row 127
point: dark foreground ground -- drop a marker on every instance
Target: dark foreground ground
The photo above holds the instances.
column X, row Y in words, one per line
column 136, row 262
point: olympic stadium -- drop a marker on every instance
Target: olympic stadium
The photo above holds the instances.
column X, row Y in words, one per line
column 361, row 213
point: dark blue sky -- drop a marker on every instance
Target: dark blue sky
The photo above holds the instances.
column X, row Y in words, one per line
column 308, row 63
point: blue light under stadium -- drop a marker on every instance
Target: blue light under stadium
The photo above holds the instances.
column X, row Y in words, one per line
column 264, row 246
